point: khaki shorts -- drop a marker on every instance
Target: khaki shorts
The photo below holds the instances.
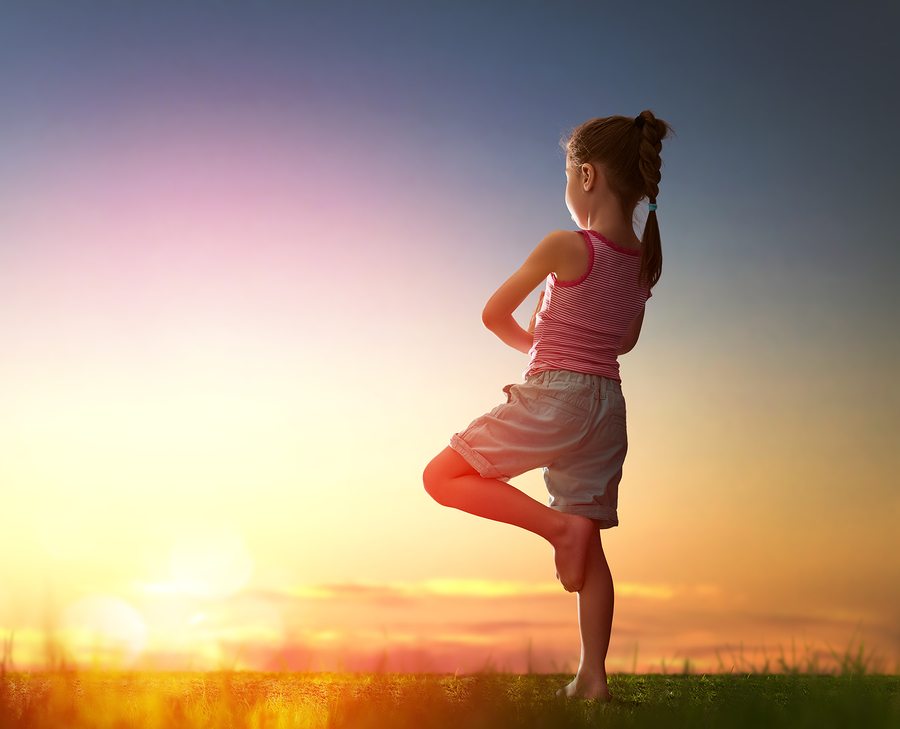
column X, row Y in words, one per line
column 569, row 423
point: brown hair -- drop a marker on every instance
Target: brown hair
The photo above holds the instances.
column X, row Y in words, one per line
column 628, row 149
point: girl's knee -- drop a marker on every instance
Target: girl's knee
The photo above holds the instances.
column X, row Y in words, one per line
column 436, row 478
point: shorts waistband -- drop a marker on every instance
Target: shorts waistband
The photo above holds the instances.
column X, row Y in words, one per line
column 597, row 382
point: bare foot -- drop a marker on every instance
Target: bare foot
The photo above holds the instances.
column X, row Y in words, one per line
column 585, row 688
column 570, row 551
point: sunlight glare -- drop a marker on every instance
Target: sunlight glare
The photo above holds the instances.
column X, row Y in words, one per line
column 104, row 631
column 212, row 563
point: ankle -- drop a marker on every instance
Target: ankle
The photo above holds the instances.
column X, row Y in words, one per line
column 594, row 676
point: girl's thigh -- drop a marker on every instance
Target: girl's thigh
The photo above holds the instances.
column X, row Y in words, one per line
column 530, row 430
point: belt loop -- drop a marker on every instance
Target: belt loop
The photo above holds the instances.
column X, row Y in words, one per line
column 602, row 388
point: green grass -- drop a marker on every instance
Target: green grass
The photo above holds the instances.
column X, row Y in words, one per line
column 69, row 698
column 416, row 701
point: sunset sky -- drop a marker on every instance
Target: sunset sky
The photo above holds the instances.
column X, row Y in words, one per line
column 244, row 251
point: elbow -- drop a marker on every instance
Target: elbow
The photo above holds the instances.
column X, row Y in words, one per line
column 488, row 320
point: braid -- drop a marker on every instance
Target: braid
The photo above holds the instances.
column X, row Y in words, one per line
column 652, row 132
column 649, row 161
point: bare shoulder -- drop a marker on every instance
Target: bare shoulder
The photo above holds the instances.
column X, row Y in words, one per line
column 561, row 245
column 572, row 258
column 562, row 252
column 566, row 239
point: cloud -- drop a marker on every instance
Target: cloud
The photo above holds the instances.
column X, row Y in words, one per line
column 406, row 591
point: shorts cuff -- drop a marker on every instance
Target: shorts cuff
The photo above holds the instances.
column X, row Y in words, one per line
column 608, row 517
column 475, row 459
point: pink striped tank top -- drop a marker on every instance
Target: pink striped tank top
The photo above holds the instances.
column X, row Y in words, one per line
column 581, row 322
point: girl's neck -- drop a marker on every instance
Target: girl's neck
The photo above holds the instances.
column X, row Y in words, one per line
column 626, row 238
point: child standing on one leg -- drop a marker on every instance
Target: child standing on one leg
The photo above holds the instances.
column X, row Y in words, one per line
column 568, row 415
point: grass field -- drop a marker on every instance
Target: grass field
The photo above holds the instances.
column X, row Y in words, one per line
column 65, row 698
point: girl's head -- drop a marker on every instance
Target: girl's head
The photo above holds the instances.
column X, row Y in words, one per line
column 612, row 163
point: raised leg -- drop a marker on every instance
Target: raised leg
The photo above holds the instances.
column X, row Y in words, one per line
column 451, row 481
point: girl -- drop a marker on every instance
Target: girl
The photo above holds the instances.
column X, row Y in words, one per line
column 568, row 416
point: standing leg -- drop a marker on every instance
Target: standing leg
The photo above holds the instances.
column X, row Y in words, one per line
column 595, row 611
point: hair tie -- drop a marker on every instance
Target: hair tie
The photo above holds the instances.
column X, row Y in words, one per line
column 652, row 206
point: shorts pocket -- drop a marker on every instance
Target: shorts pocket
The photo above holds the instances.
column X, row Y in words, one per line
column 566, row 402
column 574, row 402
column 576, row 399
